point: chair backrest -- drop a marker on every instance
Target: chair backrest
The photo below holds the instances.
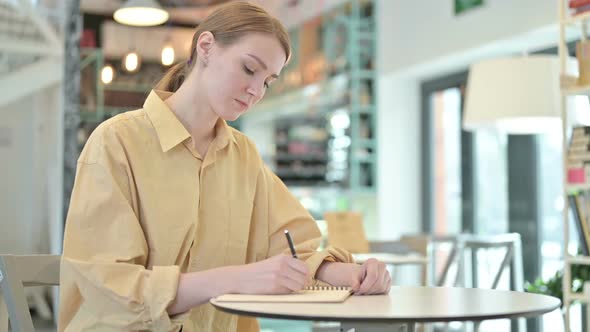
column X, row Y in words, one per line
column 346, row 231
column 17, row 272
column 470, row 243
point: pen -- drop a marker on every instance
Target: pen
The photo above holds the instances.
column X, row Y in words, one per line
column 291, row 246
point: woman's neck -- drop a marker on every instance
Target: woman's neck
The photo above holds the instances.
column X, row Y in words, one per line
column 195, row 115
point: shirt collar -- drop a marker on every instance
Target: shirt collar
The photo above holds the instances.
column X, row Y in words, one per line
column 223, row 134
column 170, row 130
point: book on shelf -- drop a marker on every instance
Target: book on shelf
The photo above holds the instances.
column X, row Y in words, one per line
column 578, row 205
column 579, row 6
column 583, row 57
column 578, row 156
column 581, row 132
column 580, row 147
column 580, row 10
column 573, row 4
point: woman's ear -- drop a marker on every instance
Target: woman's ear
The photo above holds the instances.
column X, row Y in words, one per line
column 205, row 44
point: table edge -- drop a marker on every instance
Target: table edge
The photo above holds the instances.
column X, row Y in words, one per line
column 420, row 319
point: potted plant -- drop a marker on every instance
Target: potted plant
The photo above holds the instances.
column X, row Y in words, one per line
column 554, row 285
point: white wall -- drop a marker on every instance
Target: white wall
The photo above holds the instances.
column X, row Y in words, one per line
column 398, row 197
column 420, row 31
column 30, row 194
column 420, row 40
column 16, row 171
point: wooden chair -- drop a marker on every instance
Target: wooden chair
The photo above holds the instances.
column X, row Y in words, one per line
column 412, row 250
column 16, row 273
column 345, row 230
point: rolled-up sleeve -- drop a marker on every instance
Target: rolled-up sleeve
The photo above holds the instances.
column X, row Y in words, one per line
column 105, row 284
column 286, row 212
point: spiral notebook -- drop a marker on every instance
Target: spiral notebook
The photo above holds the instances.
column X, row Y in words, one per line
column 325, row 294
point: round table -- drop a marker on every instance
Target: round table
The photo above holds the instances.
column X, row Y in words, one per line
column 392, row 259
column 405, row 306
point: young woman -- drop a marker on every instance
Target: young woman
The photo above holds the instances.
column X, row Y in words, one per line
column 172, row 207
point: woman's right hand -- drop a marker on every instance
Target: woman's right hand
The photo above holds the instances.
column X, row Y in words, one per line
column 281, row 274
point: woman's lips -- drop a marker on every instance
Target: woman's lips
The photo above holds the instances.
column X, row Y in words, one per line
column 242, row 104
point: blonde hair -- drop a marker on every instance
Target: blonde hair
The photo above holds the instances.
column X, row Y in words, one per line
column 228, row 24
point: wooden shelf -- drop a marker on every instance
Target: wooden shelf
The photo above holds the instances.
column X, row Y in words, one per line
column 578, row 260
column 572, row 188
column 569, row 86
column 577, row 20
column 578, row 297
column 576, row 90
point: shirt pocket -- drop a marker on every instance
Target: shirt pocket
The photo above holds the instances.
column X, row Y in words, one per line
column 240, row 218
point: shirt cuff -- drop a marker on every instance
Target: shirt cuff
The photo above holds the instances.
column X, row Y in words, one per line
column 330, row 254
column 314, row 262
column 161, row 291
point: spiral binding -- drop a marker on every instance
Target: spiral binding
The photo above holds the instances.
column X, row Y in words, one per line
column 327, row 288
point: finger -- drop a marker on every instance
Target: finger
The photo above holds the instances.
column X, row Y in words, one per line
column 371, row 278
column 356, row 283
column 291, row 265
column 372, row 285
column 381, row 273
column 290, row 284
column 297, row 274
column 358, row 279
column 388, row 287
column 296, row 277
column 381, row 287
column 298, row 265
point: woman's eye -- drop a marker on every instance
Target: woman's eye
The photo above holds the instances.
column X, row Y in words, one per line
column 248, row 71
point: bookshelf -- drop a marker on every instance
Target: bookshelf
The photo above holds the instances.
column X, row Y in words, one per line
column 569, row 87
column 334, row 81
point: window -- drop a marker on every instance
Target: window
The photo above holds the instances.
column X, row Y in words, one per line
column 466, row 186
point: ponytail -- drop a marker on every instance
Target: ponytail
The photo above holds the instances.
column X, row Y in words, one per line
column 173, row 78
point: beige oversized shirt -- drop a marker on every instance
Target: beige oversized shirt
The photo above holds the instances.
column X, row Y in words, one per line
column 147, row 207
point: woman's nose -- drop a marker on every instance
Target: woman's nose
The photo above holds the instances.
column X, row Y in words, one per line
column 255, row 91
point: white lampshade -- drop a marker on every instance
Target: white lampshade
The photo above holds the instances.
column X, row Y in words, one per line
column 141, row 13
column 517, row 95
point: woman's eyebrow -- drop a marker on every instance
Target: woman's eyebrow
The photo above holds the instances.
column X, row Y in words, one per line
column 261, row 63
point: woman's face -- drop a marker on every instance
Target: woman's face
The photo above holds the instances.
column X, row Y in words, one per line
column 238, row 75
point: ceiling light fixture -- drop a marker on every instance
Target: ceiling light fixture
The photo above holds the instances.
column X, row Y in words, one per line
column 141, row 13
column 167, row 55
column 107, row 74
column 131, row 61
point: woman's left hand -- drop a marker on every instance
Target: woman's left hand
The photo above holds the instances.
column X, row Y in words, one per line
column 371, row 278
